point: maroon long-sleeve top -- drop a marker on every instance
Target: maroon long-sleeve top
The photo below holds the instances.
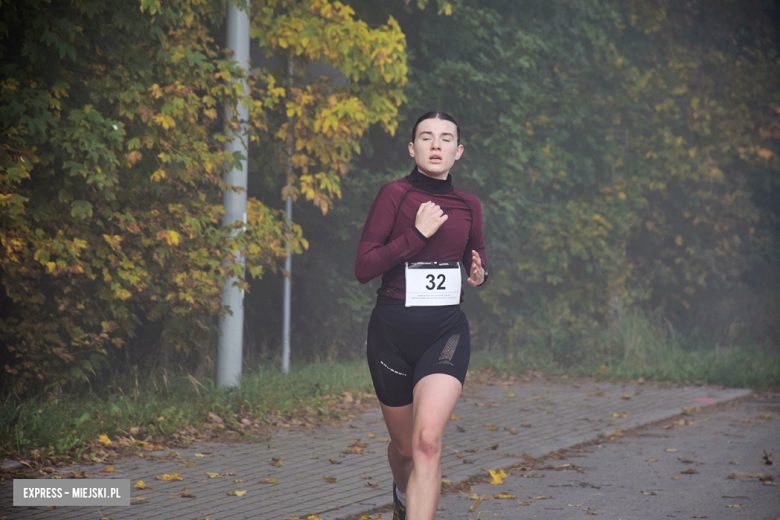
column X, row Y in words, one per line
column 390, row 239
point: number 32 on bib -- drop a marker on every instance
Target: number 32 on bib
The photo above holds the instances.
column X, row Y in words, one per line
column 430, row 284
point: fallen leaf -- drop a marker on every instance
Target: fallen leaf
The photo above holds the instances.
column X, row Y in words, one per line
column 236, row 493
column 498, row 476
column 677, row 477
column 333, row 461
column 454, row 417
column 510, row 394
column 491, row 427
column 383, row 440
column 476, row 503
column 332, row 480
column 591, row 511
column 690, row 471
column 525, row 426
column 647, row 493
column 460, row 428
column 239, row 480
column 732, row 476
column 755, row 475
column 493, row 447
column 601, row 394
column 140, row 485
column 372, row 484
column 625, row 396
column 671, row 450
column 652, row 460
column 199, row 455
column 768, row 458
column 371, row 435
column 185, row 494
column 524, row 503
column 687, row 461
column 212, row 475
column 175, row 476
column 276, row 461
column 734, row 505
column 270, row 481
column 504, row 494
column 765, row 416
column 539, row 497
column 139, row 499
column 620, row 414
column 314, row 517
column 109, row 469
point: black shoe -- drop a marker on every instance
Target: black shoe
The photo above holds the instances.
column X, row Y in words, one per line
column 399, row 512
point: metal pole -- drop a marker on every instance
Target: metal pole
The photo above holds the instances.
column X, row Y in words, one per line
column 231, row 338
column 288, row 261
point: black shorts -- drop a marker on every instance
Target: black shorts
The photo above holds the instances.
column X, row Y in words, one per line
column 406, row 344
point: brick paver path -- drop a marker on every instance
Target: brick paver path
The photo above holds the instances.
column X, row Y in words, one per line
column 495, row 425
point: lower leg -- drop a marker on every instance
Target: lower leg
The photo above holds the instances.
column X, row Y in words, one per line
column 434, row 399
column 399, row 453
column 400, row 465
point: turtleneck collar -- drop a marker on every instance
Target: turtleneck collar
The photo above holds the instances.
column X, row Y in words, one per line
column 428, row 184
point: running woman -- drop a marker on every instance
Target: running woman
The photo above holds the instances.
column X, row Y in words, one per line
column 419, row 231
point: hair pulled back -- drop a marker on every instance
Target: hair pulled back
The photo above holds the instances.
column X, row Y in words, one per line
column 435, row 115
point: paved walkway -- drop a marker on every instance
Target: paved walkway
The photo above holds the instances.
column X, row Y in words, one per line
column 495, row 426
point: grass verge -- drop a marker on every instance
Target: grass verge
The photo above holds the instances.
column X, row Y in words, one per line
column 165, row 404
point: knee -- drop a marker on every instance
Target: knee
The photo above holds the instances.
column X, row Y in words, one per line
column 403, row 450
column 427, row 443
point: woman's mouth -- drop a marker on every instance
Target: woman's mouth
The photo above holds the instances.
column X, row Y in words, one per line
column 435, row 158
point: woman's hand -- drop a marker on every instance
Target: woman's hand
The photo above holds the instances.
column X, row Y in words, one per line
column 429, row 218
column 477, row 275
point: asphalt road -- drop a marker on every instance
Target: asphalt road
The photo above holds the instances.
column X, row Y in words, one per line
column 710, row 464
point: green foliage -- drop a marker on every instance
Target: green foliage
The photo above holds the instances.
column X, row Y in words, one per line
column 625, row 154
column 327, row 121
column 112, row 162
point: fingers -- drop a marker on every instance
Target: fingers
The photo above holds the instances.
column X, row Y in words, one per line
column 430, row 217
column 477, row 273
column 423, row 206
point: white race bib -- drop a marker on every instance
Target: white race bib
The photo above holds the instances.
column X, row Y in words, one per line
column 430, row 284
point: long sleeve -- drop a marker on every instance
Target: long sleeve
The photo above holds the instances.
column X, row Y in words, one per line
column 476, row 240
column 375, row 255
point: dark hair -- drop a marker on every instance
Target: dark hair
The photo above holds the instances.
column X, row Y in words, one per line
column 435, row 115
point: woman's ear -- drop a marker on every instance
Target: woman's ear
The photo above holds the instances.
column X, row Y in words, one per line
column 411, row 149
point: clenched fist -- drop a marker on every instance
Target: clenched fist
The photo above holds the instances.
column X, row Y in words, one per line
column 429, row 219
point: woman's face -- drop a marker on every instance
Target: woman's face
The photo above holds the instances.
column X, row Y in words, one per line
column 435, row 148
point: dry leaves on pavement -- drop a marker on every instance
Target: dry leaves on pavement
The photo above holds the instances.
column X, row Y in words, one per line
column 185, row 494
column 167, row 477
